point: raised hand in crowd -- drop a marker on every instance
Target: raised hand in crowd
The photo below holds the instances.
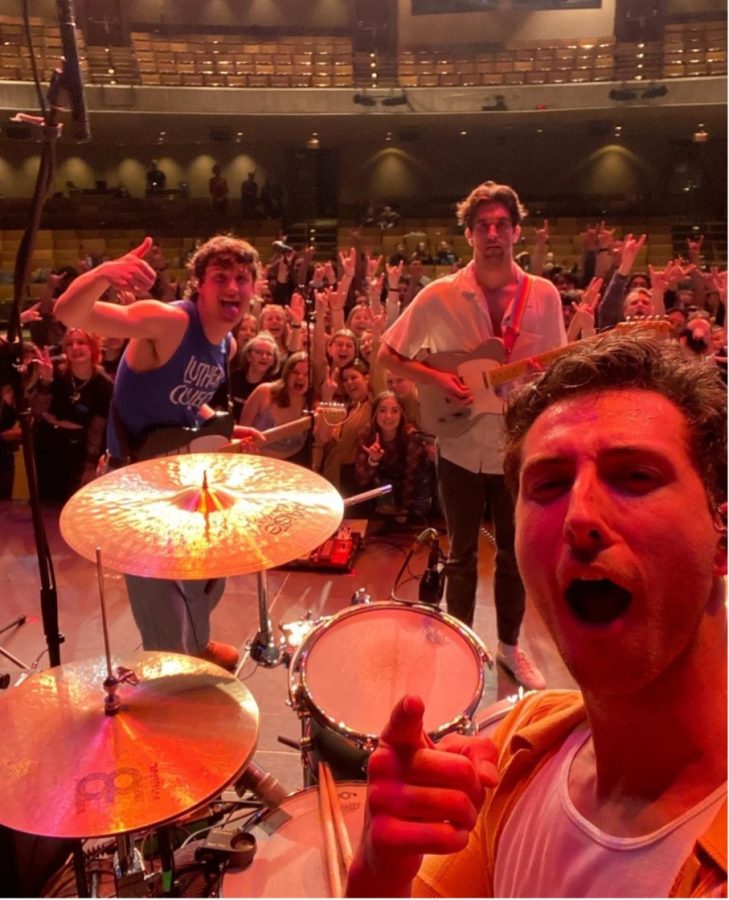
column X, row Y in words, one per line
column 582, row 324
column 321, row 303
column 46, row 371
column 631, row 248
column 374, row 451
column 295, row 313
column 605, row 237
column 330, row 273
column 318, row 278
column 394, row 274
column 348, row 262
column 331, row 383
column 694, row 249
column 301, row 265
column 372, row 264
column 541, row 235
column 716, row 283
column 374, row 293
column 589, row 238
column 422, row 798
column 296, row 309
column 31, row 314
column 337, row 301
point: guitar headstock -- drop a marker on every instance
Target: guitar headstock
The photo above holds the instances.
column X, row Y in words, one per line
column 332, row 413
column 658, row 326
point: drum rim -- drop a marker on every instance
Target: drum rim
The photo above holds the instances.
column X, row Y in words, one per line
column 267, row 811
column 231, row 872
column 300, row 690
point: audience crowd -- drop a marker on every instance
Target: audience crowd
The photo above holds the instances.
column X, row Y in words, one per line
column 311, row 340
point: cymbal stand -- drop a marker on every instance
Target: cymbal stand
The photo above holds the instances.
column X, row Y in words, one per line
column 112, row 703
column 128, row 868
column 16, row 623
column 263, row 648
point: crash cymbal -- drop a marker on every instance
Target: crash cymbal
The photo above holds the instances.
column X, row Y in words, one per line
column 202, row 515
column 183, row 733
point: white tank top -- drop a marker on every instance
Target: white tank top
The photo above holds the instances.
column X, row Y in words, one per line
column 547, row 849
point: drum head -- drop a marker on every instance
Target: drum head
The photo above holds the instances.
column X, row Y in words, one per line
column 289, row 860
column 360, row 664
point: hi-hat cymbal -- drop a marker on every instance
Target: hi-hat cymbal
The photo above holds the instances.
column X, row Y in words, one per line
column 202, row 515
column 183, row 733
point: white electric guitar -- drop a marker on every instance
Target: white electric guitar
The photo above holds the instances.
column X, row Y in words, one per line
column 483, row 371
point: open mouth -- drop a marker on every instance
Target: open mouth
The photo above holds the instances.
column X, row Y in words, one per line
column 231, row 307
column 597, row 602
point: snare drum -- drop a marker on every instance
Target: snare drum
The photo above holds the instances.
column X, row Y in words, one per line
column 289, row 859
column 351, row 671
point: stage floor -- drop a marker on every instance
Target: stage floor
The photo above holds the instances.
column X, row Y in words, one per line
column 292, row 594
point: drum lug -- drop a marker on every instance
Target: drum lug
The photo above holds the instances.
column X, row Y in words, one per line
column 360, row 597
column 294, row 700
column 466, row 726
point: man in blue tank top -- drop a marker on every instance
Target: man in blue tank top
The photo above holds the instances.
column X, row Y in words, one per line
column 176, row 359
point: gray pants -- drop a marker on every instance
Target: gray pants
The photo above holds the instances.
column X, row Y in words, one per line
column 173, row 615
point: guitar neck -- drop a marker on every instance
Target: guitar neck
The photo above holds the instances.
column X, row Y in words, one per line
column 277, row 433
column 510, row 371
column 657, row 326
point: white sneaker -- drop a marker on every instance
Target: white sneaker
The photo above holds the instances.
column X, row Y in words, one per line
column 520, row 666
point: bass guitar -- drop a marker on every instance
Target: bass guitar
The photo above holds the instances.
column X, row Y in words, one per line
column 214, row 435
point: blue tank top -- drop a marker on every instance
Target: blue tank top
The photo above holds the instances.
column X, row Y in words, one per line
column 173, row 394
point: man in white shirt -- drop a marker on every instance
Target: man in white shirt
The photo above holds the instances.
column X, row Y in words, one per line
column 490, row 298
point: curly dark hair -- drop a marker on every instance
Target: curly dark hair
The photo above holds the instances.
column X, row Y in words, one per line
column 490, row 192
column 618, row 361
column 225, row 250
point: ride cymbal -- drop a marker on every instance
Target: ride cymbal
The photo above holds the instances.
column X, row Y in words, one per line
column 184, row 731
column 202, row 515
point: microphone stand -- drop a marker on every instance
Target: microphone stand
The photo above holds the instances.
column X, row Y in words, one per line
column 51, row 131
column 306, row 292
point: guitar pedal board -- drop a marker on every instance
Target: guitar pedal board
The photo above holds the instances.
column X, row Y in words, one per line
column 337, row 553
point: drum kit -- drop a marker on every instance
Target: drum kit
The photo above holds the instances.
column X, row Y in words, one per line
column 111, row 748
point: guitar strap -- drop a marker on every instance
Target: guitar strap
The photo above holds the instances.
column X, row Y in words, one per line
column 513, row 329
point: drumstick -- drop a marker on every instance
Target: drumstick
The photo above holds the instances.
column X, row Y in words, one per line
column 329, row 838
column 340, row 826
